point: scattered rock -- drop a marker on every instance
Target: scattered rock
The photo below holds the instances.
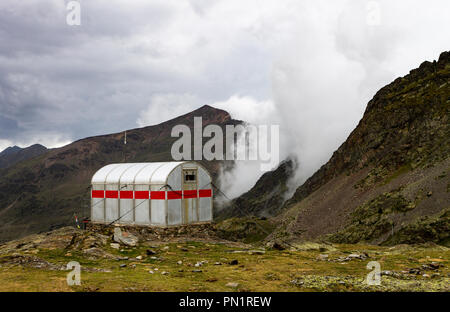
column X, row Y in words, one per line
column 435, row 265
column 435, row 275
column 95, row 253
column 180, row 262
column 115, row 245
column 94, row 240
column 414, row 271
column 164, row 273
column 197, row 271
column 232, row 285
column 29, row 261
column 125, row 238
column 322, row 257
column 150, row 252
column 357, row 256
column 234, row 262
column 139, row 257
column 296, row 282
column 122, row 265
column 256, row 252
column 275, row 245
column 151, row 272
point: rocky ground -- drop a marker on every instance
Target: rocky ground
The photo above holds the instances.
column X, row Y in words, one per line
column 196, row 259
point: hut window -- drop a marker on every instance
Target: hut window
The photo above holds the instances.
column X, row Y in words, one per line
column 189, row 176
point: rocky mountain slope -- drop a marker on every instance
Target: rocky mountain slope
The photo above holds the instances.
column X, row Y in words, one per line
column 266, row 197
column 389, row 181
column 44, row 192
column 15, row 154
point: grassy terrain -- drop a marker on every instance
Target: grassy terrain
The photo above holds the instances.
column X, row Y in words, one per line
column 310, row 267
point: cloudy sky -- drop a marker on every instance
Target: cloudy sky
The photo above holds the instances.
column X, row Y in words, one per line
column 310, row 66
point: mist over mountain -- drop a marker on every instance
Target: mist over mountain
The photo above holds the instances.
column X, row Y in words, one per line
column 389, row 181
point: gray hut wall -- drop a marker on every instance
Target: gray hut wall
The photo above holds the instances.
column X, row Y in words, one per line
column 174, row 205
column 98, row 204
column 126, row 204
column 112, row 204
column 142, row 210
column 205, row 203
column 158, row 206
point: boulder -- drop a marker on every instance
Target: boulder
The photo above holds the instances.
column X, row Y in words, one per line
column 125, row 238
column 232, row 285
column 276, row 245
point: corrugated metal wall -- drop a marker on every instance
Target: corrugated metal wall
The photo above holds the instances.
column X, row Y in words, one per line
column 139, row 193
column 173, row 203
column 205, row 203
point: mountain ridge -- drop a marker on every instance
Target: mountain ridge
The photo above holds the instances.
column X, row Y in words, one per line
column 385, row 176
column 14, row 154
column 44, row 192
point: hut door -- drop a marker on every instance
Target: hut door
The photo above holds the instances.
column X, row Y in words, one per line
column 190, row 201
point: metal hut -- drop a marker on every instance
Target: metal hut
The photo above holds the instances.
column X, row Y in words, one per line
column 154, row 193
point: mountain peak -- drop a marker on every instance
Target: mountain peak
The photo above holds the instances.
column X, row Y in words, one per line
column 10, row 149
column 209, row 114
column 15, row 154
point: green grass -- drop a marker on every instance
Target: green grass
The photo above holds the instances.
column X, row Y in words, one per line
column 272, row 271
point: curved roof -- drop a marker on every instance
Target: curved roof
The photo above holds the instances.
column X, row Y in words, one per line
column 100, row 175
column 129, row 174
column 138, row 173
column 162, row 172
column 115, row 174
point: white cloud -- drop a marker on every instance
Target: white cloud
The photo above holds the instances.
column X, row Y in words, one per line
column 248, row 109
column 163, row 107
column 327, row 63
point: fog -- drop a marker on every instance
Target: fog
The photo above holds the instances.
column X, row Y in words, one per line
column 330, row 63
